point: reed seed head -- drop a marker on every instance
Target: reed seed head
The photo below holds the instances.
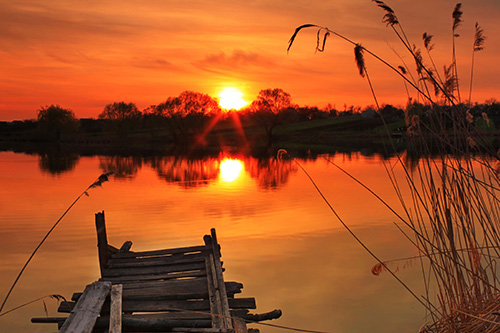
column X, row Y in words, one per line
column 360, row 59
column 427, row 41
column 457, row 17
column 479, row 38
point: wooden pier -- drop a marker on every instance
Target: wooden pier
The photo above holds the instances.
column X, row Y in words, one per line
column 170, row 290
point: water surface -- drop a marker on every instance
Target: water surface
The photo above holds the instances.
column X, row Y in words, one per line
column 278, row 236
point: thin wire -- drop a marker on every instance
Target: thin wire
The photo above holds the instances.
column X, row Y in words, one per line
column 283, row 152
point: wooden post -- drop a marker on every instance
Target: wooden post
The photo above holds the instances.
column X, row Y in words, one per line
column 213, row 287
column 102, row 240
column 219, row 280
column 115, row 316
column 240, row 326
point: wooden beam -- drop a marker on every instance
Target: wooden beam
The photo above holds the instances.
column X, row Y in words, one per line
column 152, row 277
column 213, row 295
column 125, row 248
column 102, row 241
column 84, row 314
column 49, row 320
column 170, row 305
column 220, row 280
column 116, row 272
column 155, row 261
column 115, row 317
column 240, row 326
column 190, row 249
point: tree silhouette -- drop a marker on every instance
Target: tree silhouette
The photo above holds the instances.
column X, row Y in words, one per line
column 188, row 113
column 123, row 115
column 54, row 120
column 120, row 111
column 269, row 109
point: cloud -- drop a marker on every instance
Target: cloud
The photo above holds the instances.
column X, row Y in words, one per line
column 238, row 60
column 152, row 63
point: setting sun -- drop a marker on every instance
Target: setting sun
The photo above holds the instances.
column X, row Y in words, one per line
column 230, row 169
column 231, row 98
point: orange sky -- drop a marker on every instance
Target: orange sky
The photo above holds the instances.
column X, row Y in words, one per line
column 84, row 55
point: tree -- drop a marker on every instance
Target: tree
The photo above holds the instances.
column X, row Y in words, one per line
column 120, row 111
column 188, row 113
column 269, row 108
column 124, row 117
column 54, row 120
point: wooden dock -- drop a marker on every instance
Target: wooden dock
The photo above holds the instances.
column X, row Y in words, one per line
column 170, row 290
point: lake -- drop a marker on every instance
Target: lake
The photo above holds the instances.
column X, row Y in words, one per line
column 277, row 235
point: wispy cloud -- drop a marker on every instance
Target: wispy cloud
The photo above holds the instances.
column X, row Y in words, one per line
column 237, row 60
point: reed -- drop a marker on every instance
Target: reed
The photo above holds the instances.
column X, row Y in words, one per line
column 97, row 183
column 449, row 207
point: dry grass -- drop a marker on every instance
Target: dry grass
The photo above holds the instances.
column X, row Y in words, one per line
column 449, row 193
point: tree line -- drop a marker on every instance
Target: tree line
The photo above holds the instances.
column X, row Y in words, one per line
column 186, row 116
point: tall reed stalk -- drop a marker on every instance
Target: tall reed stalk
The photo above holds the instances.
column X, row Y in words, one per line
column 449, row 207
column 97, row 183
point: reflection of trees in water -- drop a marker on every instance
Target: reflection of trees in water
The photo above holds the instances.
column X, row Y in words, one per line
column 269, row 173
column 124, row 167
column 56, row 162
column 188, row 173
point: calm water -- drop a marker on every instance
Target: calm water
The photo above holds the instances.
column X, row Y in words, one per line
column 277, row 235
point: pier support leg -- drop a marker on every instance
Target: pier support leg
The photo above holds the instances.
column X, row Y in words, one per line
column 102, row 241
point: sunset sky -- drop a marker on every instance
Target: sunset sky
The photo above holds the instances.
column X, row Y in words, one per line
column 83, row 55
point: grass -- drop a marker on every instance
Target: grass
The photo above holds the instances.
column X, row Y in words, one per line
column 452, row 213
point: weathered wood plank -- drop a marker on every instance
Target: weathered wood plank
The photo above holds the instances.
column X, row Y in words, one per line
column 102, row 241
column 85, row 312
column 115, row 272
column 177, row 289
column 141, row 324
column 48, row 320
column 189, row 249
column 125, row 248
column 256, row 317
column 115, row 317
column 213, row 296
column 169, row 305
column 156, row 261
column 152, row 277
column 173, row 315
column 220, row 279
column 239, row 325
column 169, row 284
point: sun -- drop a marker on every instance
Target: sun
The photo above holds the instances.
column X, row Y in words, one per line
column 230, row 169
column 231, row 99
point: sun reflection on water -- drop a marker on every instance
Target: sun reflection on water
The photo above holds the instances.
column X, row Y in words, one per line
column 230, row 169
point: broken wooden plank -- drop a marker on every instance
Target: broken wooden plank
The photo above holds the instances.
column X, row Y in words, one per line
column 115, row 317
column 155, row 261
column 125, row 248
column 152, row 277
column 169, row 305
column 213, row 295
column 144, row 324
column 48, row 320
column 102, row 241
column 165, row 290
column 244, row 314
column 197, row 282
column 85, row 312
column 211, row 241
column 189, row 249
column 114, row 272
column 239, row 325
